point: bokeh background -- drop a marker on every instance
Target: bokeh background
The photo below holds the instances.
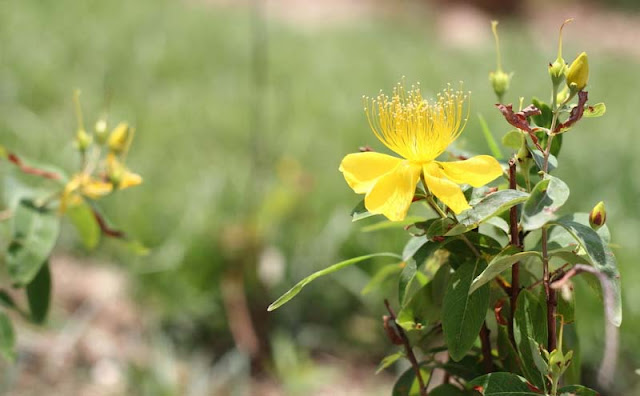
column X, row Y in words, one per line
column 243, row 112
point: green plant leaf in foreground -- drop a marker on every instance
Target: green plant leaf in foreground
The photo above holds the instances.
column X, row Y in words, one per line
column 7, row 337
column 296, row 289
column 408, row 385
column 503, row 384
column 546, row 198
column 35, row 232
column 504, row 260
column 465, row 312
column 491, row 205
column 84, row 221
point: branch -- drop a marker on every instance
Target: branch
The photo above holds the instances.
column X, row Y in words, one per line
column 31, row 170
column 104, row 227
column 485, row 341
column 513, row 230
column 407, row 346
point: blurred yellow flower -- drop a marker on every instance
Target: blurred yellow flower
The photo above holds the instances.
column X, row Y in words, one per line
column 119, row 175
column 83, row 185
column 419, row 131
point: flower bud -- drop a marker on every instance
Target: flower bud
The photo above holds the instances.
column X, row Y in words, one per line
column 557, row 70
column 578, row 73
column 119, row 138
column 101, row 130
column 597, row 216
column 83, row 140
column 500, row 82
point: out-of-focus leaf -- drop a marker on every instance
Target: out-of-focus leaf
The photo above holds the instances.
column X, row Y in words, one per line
column 336, row 267
column 488, row 137
column 84, row 221
column 389, row 360
column 39, row 294
column 503, row 384
column 465, row 312
column 35, row 232
column 509, row 256
column 447, row 390
column 408, row 385
column 597, row 110
column 420, row 310
column 513, row 139
column 386, row 224
column 545, row 117
column 577, row 390
column 572, row 343
column 546, row 198
column 7, row 338
column 440, row 227
column 382, row 275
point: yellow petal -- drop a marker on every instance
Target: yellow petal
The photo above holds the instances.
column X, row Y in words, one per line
column 476, row 171
column 95, row 189
column 392, row 193
column 446, row 191
column 361, row 170
column 129, row 179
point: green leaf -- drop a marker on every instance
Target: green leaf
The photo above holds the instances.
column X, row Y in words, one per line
column 35, row 231
column 39, row 294
column 566, row 308
column 408, row 385
column 490, row 206
column 602, row 259
column 420, row 311
column 382, row 275
column 7, row 338
column 413, row 245
column 84, row 221
column 546, row 198
column 506, row 352
column 360, row 212
column 447, row 390
column 504, row 260
column 336, row 267
column 387, row 224
column 465, row 312
column 546, row 117
column 440, row 227
column 488, row 136
column 572, row 343
column 530, row 322
column 538, row 158
column 577, row 390
column 389, row 360
column 503, row 384
column 597, row 110
column 513, row 139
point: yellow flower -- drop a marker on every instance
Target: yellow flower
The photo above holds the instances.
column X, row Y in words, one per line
column 119, row 175
column 83, row 185
column 419, row 131
column 578, row 72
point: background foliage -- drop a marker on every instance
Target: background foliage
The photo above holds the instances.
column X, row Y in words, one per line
column 220, row 178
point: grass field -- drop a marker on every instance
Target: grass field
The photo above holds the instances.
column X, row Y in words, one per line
column 184, row 74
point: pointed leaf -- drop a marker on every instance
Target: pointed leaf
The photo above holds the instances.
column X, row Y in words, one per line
column 546, row 198
column 35, row 232
column 465, row 312
column 490, row 206
column 503, row 384
column 336, row 267
column 509, row 256
column 530, row 322
column 39, row 294
column 84, row 221
column 389, row 360
column 408, row 385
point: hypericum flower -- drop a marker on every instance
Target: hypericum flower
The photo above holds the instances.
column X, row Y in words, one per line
column 419, row 131
column 83, row 185
column 119, row 175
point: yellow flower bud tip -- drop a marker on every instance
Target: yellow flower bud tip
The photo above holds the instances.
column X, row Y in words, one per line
column 119, row 138
column 578, row 72
column 597, row 216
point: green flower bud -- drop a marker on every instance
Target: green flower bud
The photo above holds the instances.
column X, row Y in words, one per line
column 557, row 71
column 500, row 82
column 578, row 73
column 101, row 130
column 597, row 216
column 83, row 140
column 119, row 138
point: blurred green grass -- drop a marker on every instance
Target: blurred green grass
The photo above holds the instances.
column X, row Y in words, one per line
column 182, row 73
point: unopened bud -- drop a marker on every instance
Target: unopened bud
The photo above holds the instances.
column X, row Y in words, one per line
column 119, row 138
column 83, row 140
column 500, row 82
column 578, row 73
column 597, row 216
column 557, row 71
column 101, row 130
